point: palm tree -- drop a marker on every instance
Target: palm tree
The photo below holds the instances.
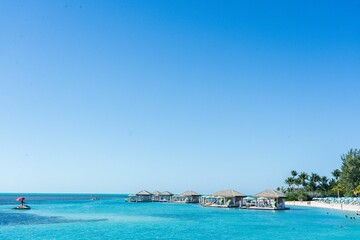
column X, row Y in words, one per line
column 297, row 182
column 357, row 190
column 294, row 173
column 338, row 187
column 281, row 189
column 290, row 181
column 313, row 182
column 336, row 173
column 324, row 186
column 332, row 183
column 303, row 177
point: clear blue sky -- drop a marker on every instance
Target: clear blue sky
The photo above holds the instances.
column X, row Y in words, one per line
column 119, row 96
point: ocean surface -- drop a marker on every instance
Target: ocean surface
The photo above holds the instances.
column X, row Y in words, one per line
column 75, row 216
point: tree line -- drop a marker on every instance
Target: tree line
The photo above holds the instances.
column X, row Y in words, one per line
column 344, row 181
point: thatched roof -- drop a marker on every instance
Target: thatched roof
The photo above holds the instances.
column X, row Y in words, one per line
column 270, row 194
column 228, row 193
column 144, row 193
column 189, row 193
column 167, row 193
column 157, row 193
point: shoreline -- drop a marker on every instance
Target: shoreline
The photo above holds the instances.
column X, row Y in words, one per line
column 334, row 206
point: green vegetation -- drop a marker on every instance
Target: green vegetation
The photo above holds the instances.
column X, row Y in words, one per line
column 357, row 190
column 350, row 171
column 344, row 182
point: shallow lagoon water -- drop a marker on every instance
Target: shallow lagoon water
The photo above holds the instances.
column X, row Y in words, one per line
column 77, row 217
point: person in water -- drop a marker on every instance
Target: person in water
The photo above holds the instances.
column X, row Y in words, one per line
column 22, row 204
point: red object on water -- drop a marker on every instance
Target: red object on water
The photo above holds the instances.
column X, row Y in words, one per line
column 20, row 199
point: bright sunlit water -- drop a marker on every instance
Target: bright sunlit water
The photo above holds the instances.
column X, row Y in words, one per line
column 77, row 217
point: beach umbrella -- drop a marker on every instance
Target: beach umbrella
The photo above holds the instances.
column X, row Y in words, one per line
column 20, row 199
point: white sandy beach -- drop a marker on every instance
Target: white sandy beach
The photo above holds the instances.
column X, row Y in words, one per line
column 335, row 206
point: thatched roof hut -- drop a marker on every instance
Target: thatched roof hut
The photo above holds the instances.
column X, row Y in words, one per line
column 144, row 193
column 189, row 193
column 269, row 193
column 144, row 196
column 228, row 194
column 156, row 193
column 224, row 198
column 272, row 199
column 166, row 193
column 188, row 197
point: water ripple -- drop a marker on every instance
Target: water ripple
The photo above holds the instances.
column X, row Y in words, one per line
column 7, row 218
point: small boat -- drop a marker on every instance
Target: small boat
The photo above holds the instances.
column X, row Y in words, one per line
column 22, row 207
column 22, row 204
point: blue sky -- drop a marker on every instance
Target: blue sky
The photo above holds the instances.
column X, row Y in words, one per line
column 119, row 96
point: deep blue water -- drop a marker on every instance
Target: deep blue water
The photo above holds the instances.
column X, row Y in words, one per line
column 72, row 216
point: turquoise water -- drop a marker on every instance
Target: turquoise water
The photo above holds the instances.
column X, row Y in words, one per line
column 77, row 217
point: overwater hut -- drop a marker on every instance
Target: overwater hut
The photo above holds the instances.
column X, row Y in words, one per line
column 144, row 196
column 270, row 199
column 249, row 201
column 156, row 196
column 188, row 197
column 166, row 196
column 224, row 198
